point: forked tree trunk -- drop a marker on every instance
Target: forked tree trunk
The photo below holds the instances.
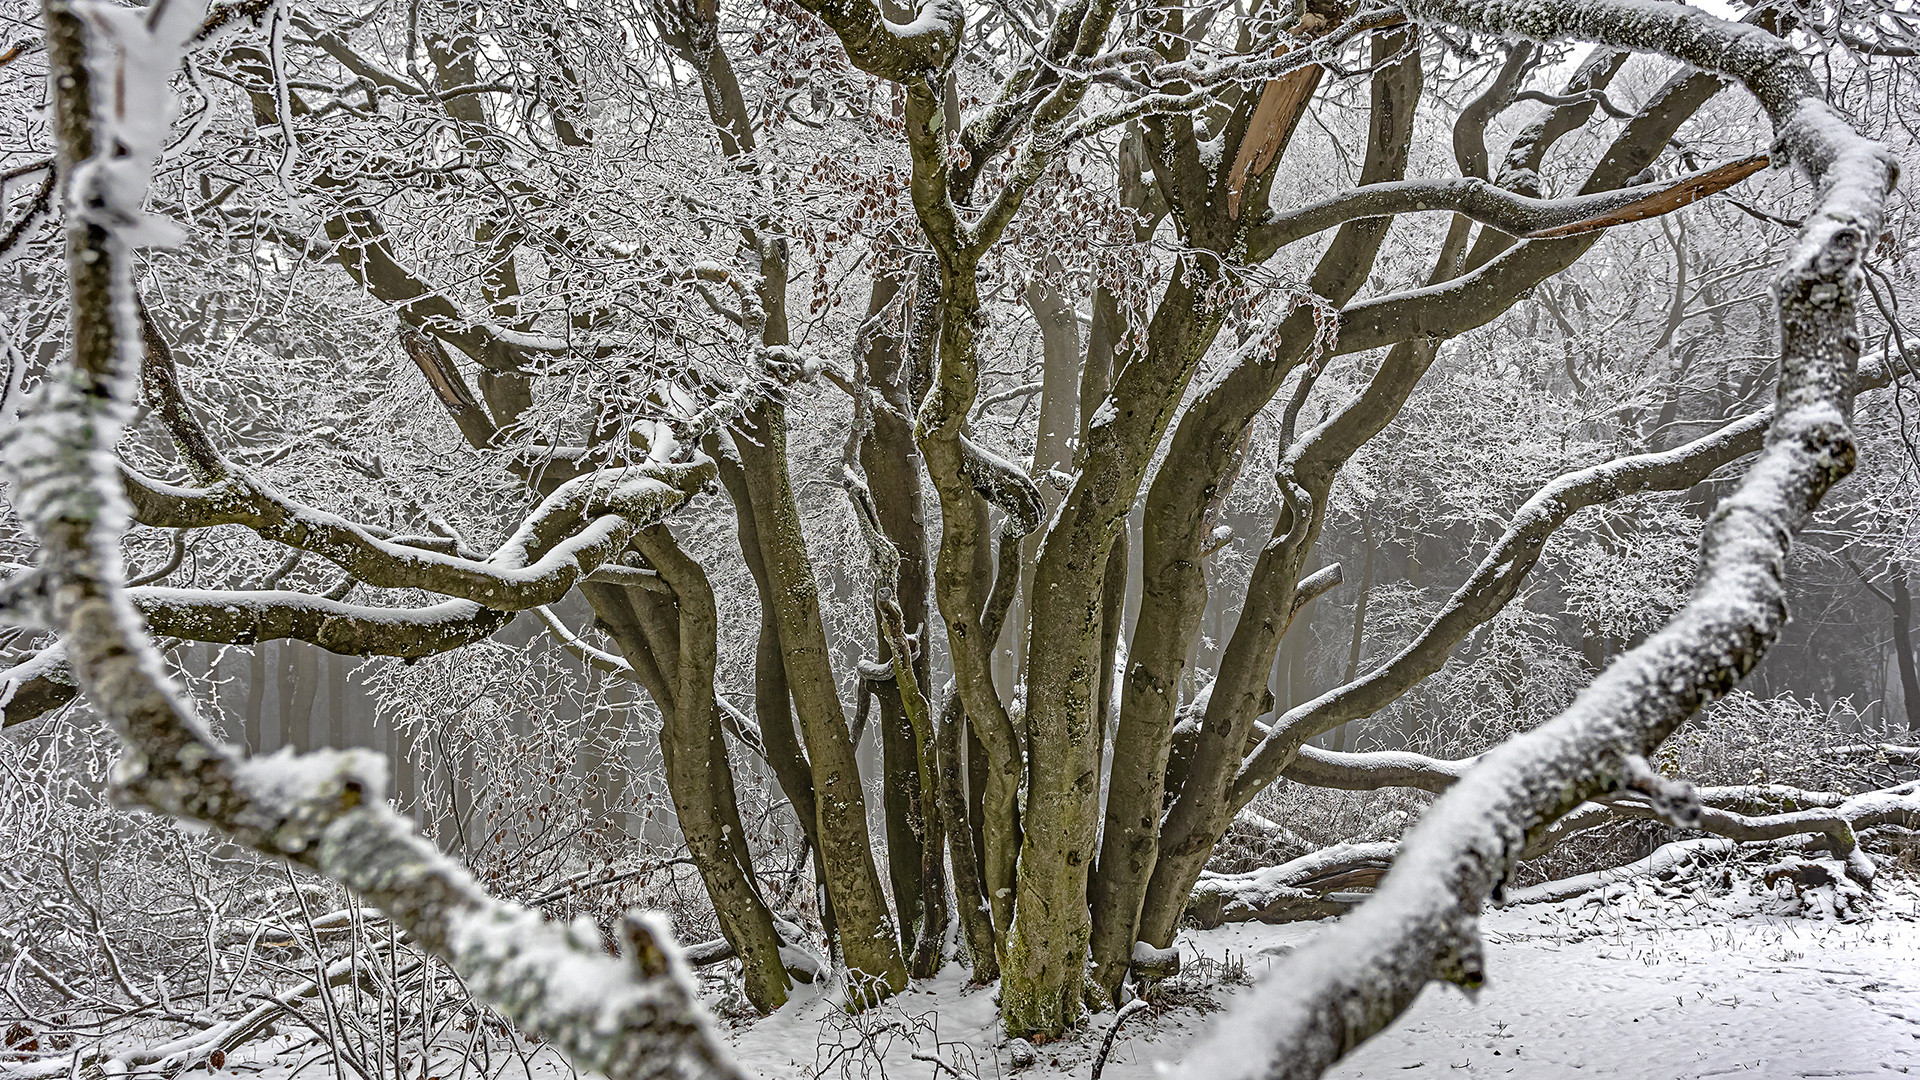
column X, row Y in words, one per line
column 1225, row 782
column 1174, row 593
column 891, row 463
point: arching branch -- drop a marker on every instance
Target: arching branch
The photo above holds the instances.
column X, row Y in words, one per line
column 570, row 535
column 1511, row 212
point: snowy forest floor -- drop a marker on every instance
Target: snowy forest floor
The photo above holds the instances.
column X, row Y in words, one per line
column 1650, row 981
column 1710, row 972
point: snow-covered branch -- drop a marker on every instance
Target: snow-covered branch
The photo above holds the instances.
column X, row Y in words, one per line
column 36, row 686
column 1510, row 212
column 584, row 523
column 1320, row 883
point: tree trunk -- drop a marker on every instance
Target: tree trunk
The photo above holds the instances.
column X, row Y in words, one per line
column 975, row 920
column 699, row 776
column 1345, row 734
column 254, row 713
column 339, row 730
column 957, row 579
column 1054, row 438
column 867, row 939
column 1903, row 651
column 1046, row 979
column 772, row 705
column 891, row 463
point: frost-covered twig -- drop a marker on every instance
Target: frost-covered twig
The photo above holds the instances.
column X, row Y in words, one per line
column 1193, row 86
column 1126, row 1013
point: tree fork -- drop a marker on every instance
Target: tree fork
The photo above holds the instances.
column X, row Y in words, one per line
column 1174, row 588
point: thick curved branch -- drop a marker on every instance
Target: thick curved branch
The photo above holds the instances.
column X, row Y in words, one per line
column 36, row 686
column 45, row 681
column 569, row 536
column 1453, row 305
column 1371, row 771
column 1491, row 586
column 1834, row 823
column 1308, row 887
column 1511, row 212
column 1470, row 127
column 1520, row 169
column 1003, row 485
column 1315, row 585
column 249, row 617
column 363, row 247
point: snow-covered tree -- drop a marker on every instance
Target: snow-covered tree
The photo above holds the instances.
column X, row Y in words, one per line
column 967, row 322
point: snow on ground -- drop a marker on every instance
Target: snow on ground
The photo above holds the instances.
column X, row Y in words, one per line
column 1653, row 983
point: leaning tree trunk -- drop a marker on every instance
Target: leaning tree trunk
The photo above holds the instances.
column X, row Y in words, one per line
column 867, row 939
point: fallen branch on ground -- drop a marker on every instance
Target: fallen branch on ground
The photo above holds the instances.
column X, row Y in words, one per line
column 1319, row 884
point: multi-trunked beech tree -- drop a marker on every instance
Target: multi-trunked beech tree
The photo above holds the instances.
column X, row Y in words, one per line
column 1059, row 804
